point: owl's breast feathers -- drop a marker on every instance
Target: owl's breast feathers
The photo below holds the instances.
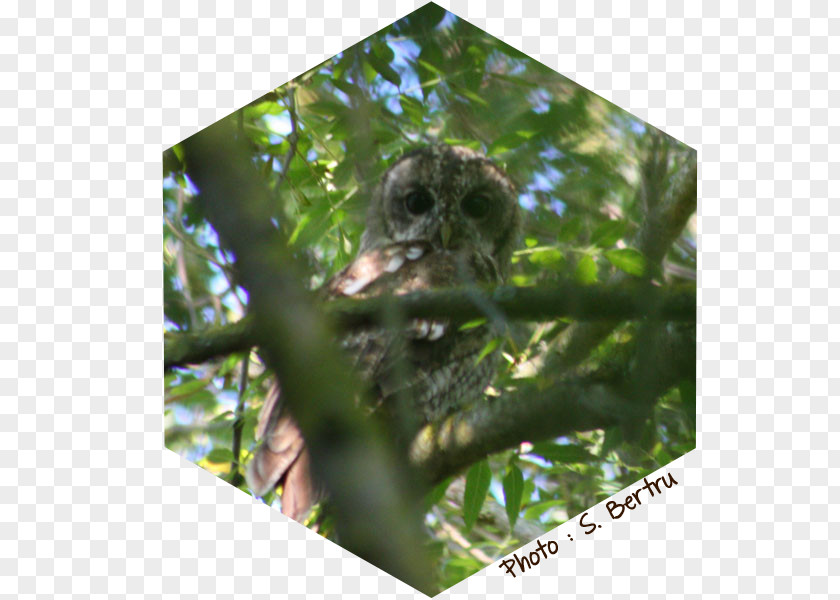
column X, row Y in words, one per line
column 404, row 267
column 429, row 359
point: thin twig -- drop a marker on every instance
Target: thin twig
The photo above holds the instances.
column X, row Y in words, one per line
column 293, row 134
column 238, row 423
column 185, row 239
column 461, row 541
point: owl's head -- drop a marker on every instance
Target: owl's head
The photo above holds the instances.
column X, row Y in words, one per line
column 451, row 197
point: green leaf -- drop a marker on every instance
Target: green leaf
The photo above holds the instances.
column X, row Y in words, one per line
column 178, row 150
column 513, row 485
column 384, row 69
column 412, row 108
column 229, row 363
column 562, row 453
column 475, row 491
column 473, row 324
column 547, row 257
column 352, row 90
column 488, row 348
column 188, row 388
column 304, row 221
column 471, row 144
column 225, row 416
column 661, row 454
column 436, row 493
column 429, row 72
column 381, row 49
column 368, row 71
column 219, row 456
column 528, row 490
column 628, row 260
column 608, row 233
column 536, row 510
column 469, row 95
column 586, row 271
column 508, row 142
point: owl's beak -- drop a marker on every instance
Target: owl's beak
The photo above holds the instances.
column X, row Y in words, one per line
column 445, row 234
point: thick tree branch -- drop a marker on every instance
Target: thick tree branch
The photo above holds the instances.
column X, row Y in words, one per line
column 595, row 303
column 348, row 452
column 664, row 357
column 180, row 349
column 444, row 448
column 610, row 302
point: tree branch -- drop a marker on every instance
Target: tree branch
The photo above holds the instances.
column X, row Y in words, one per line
column 348, row 451
column 608, row 302
column 533, row 414
column 181, row 349
column 596, row 303
column 444, row 448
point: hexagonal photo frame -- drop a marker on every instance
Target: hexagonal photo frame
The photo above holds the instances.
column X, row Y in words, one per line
column 431, row 299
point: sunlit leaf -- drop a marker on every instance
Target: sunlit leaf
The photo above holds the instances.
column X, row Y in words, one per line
column 473, row 324
column 488, row 348
column 548, row 257
column 225, row 416
column 628, row 260
column 586, row 271
column 509, row 141
column 536, row 510
column 190, row 387
column 219, row 456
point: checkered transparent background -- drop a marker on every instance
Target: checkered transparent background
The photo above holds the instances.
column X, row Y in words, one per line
column 90, row 503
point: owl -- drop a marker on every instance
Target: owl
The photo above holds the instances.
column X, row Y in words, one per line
column 441, row 216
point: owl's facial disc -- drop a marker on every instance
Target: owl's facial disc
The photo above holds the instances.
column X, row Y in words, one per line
column 451, row 197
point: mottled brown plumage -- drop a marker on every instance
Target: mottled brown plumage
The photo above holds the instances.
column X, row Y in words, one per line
column 442, row 216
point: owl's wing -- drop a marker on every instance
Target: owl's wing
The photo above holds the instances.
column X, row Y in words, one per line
column 282, row 457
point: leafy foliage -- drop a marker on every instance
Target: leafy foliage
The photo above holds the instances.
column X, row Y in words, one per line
column 588, row 174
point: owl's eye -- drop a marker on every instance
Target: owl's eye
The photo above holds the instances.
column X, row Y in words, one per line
column 418, row 202
column 476, row 206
